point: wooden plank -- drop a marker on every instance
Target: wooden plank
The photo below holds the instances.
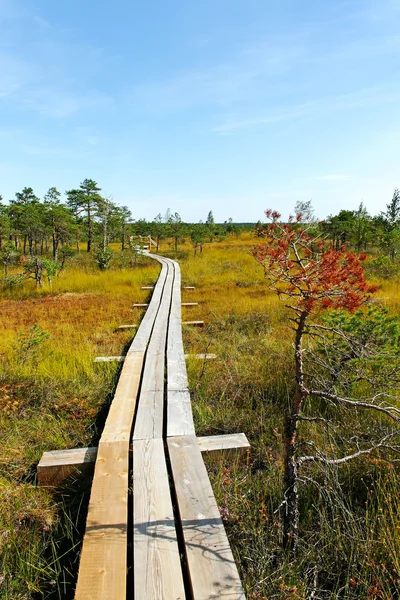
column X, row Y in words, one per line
column 177, row 378
column 153, row 375
column 189, row 304
column 193, row 323
column 224, row 444
column 57, row 466
column 212, row 569
column 140, row 305
column 68, row 457
column 142, row 336
column 128, row 326
column 157, row 566
column 179, row 409
column 102, row 571
column 109, row 358
column 201, row 356
column 180, row 416
column 149, row 419
column 120, row 417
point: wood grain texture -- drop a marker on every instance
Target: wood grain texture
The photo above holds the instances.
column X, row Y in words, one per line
column 74, row 456
column 157, row 566
column 212, row 569
column 224, row 444
column 193, row 323
column 142, row 336
column 180, row 416
column 57, row 466
column 120, row 417
column 150, row 413
column 102, row 572
column 201, row 356
column 109, row 358
column 149, row 419
column 176, row 366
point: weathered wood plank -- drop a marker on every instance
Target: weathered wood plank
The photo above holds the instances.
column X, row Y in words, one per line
column 179, row 408
column 201, row 356
column 109, row 359
column 58, row 465
column 180, row 416
column 212, row 569
column 157, row 566
column 102, row 572
column 149, row 419
column 224, row 444
column 141, row 305
column 189, row 304
column 120, row 417
column 142, row 336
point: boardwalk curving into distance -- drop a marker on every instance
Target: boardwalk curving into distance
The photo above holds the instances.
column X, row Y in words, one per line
column 172, row 524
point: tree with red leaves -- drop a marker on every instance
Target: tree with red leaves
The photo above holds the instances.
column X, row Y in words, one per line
column 310, row 276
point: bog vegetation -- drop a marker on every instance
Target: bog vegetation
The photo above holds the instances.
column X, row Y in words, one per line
column 314, row 512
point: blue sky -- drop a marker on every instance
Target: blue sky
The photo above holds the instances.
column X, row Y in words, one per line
column 232, row 106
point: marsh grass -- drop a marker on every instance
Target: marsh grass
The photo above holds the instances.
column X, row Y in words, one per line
column 350, row 544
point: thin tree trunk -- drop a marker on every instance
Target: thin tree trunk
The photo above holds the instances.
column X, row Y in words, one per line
column 290, row 479
column 55, row 248
column 89, row 226
column 123, row 237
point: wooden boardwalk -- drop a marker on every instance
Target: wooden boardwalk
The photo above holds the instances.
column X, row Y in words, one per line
column 153, row 529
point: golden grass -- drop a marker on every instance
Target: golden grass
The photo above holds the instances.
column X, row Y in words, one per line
column 55, row 399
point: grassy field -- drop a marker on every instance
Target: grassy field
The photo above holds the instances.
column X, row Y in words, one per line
column 53, row 396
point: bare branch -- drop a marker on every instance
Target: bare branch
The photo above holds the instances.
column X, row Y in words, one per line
column 338, row 461
column 387, row 410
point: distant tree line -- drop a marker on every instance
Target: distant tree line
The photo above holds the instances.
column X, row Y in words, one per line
column 55, row 226
column 357, row 229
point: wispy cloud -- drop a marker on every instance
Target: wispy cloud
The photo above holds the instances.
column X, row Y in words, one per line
column 372, row 96
column 49, row 74
column 53, row 102
column 219, row 85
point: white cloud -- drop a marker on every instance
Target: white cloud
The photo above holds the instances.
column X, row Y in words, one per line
column 372, row 96
column 219, row 85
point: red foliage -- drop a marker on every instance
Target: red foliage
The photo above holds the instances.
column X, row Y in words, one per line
column 301, row 266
